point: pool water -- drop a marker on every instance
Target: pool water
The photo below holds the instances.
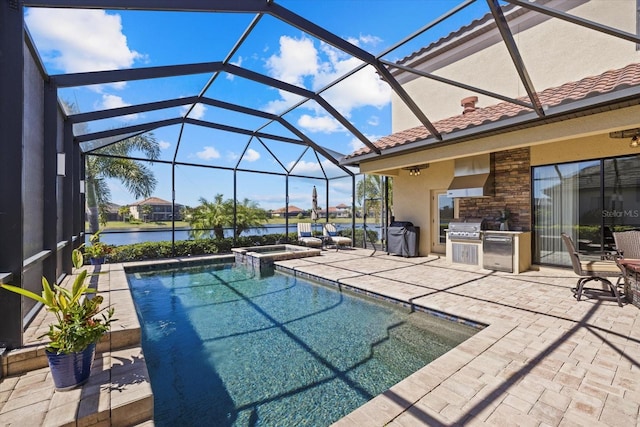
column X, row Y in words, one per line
column 225, row 346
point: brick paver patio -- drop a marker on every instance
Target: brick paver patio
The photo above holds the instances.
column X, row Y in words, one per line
column 543, row 360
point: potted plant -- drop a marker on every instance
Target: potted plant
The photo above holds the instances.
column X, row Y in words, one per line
column 96, row 251
column 79, row 325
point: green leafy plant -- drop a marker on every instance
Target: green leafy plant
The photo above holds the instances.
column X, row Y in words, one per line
column 97, row 249
column 79, row 319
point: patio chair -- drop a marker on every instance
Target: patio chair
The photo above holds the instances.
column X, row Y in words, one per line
column 305, row 237
column 592, row 270
column 628, row 253
column 628, row 244
column 331, row 235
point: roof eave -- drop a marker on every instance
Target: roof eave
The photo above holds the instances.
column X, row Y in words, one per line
column 564, row 111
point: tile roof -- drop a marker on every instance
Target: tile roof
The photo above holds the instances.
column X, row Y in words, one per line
column 151, row 201
column 573, row 91
column 292, row 209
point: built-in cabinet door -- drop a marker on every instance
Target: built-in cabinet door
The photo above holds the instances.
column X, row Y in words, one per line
column 442, row 212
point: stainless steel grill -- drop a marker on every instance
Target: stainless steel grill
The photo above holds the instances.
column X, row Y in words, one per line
column 467, row 230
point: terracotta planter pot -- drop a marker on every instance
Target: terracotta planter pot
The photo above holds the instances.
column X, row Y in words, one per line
column 71, row 370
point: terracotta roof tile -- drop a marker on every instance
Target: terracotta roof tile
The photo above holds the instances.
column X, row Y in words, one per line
column 151, row 201
column 573, row 91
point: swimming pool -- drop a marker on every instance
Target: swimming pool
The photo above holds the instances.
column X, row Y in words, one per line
column 225, row 346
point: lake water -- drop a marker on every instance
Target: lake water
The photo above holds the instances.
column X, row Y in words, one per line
column 127, row 237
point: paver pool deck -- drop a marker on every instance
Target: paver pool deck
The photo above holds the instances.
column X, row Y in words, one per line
column 544, row 359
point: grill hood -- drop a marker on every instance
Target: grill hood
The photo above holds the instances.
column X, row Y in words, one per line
column 472, row 177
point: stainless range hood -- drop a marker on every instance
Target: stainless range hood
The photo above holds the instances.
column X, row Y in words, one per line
column 472, row 177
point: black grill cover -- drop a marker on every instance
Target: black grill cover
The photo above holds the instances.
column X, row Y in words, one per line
column 403, row 239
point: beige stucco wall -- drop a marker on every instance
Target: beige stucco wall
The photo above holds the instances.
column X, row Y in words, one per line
column 411, row 197
column 584, row 148
column 554, row 52
column 571, row 140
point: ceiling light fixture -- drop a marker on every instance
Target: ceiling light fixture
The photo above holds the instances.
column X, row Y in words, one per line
column 634, row 134
column 416, row 170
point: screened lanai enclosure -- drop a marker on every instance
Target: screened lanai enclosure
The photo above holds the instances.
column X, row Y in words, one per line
column 247, row 99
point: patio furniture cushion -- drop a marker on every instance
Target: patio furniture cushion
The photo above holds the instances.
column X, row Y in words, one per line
column 331, row 234
column 305, row 237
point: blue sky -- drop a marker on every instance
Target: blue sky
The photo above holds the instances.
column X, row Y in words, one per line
column 91, row 40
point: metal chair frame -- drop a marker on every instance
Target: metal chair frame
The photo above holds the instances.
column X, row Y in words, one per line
column 592, row 271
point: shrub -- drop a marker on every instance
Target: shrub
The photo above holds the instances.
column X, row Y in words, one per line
column 372, row 236
column 156, row 250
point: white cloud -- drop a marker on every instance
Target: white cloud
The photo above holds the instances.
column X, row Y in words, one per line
column 297, row 58
column 310, row 167
column 251, row 155
column 196, row 113
column 113, row 101
column 304, row 166
column 164, row 145
column 80, row 40
column 356, row 144
column 373, row 121
column 325, row 124
column 286, row 100
column 365, row 40
column 209, row 153
column 299, row 62
column 237, row 63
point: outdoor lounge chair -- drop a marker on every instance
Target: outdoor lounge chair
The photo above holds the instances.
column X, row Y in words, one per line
column 592, row 270
column 331, row 235
column 305, row 237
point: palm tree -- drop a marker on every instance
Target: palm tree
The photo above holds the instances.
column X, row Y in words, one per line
column 209, row 219
column 137, row 177
column 371, row 188
column 249, row 215
column 147, row 211
column 124, row 212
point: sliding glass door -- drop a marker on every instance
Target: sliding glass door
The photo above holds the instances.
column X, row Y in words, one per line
column 587, row 200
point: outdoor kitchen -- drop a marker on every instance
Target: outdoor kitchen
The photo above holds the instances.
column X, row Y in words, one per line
column 493, row 229
column 469, row 242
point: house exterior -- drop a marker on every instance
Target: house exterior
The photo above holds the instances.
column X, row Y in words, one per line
column 158, row 210
column 554, row 169
column 293, row 212
column 343, row 211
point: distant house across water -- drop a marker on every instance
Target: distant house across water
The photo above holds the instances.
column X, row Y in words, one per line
column 294, row 211
column 158, row 210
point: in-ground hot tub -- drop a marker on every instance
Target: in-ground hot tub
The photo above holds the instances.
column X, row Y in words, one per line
column 264, row 256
